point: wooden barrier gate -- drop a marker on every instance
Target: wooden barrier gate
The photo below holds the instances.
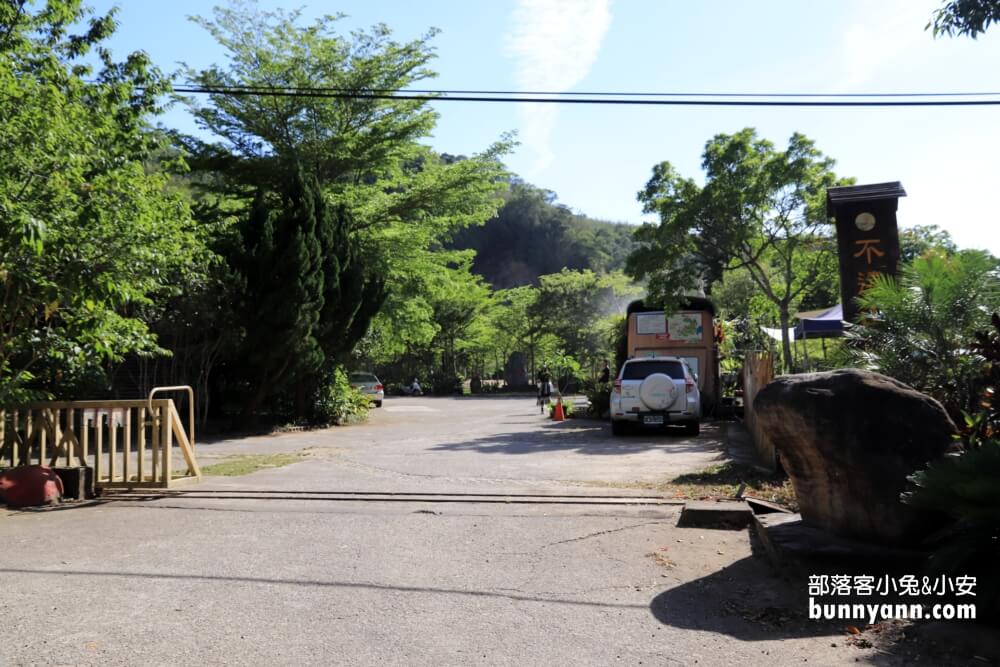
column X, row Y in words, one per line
column 127, row 443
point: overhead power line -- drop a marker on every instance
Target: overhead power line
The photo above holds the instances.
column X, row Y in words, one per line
column 593, row 93
column 624, row 99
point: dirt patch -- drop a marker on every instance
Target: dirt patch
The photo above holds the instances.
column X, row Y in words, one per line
column 725, row 479
column 718, row 482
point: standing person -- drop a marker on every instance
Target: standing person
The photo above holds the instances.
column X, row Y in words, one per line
column 544, row 389
column 605, row 373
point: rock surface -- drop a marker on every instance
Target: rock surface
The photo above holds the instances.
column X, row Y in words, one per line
column 848, row 439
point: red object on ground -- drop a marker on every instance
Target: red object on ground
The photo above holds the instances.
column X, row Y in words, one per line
column 29, row 486
column 557, row 412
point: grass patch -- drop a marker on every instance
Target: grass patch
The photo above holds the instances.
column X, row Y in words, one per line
column 724, row 480
column 719, row 482
column 248, row 463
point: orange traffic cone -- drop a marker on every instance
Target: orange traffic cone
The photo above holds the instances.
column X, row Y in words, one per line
column 557, row 412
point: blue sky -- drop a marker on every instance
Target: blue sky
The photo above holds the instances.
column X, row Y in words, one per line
column 597, row 157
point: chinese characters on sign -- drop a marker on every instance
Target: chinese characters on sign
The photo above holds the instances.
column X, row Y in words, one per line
column 869, row 250
column 867, row 236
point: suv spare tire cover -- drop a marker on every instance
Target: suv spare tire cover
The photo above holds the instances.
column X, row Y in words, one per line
column 657, row 391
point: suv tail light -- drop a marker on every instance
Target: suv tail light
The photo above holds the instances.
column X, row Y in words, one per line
column 617, row 388
column 379, row 387
column 688, row 385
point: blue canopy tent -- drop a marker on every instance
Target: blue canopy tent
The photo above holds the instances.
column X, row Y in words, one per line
column 823, row 323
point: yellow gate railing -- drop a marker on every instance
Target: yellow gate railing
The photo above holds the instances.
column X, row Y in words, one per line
column 129, row 444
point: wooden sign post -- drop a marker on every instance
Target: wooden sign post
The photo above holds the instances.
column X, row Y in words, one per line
column 867, row 236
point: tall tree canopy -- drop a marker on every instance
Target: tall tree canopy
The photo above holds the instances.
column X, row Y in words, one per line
column 582, row 309
column 364, row 151
column 88, row 235
column 919, row 239
column 385, row 202
column 761, row 210
column 965, row 17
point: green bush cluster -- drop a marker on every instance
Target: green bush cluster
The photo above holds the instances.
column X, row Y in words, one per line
column 967, row 487
column 599, row 396
column 337, row 402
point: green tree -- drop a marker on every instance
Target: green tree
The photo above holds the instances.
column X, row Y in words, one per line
column 921, row 327
column 400, row 201
column 575, row 306
column 296, row 270
column 280, row 265
column 964, row 17
column 919, row 239
column 89, row 237
column 365, row 151
column 460, row 301
column 517, row 324
column 760, row 209
column 741, row 303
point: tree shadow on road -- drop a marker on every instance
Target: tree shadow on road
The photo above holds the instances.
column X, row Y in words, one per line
column 745, row 600
column 587, row 437
column 749, row 601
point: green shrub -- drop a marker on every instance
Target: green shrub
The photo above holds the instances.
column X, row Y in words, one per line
column 984, row 423
column 967, row 488
column 918, row 329
column 337, row 402
column 599, row 395
column 445, row 385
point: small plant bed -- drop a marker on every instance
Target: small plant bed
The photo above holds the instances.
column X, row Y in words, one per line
column 569, row 410
column 724, row 480
column 720, row 482
column 249, row 463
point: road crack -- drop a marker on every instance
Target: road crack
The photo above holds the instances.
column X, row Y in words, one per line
column 598, row 534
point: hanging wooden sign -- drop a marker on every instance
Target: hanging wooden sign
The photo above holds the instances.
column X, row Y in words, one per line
column 867, row 236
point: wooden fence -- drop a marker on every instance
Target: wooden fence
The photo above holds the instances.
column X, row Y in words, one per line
column 129, row 444
column 758, row 370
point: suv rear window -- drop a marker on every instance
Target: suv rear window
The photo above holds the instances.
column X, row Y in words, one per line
column 640, row 370
column 363, row 377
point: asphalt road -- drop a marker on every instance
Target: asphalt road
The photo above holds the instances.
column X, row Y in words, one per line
column 442, row 532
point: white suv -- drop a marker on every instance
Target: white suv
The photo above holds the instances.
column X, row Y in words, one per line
column 655, row 391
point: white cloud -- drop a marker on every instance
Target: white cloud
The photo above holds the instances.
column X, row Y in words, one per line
column 554, row 43
column 881, row 37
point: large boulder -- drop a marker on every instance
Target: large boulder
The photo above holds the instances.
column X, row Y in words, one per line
column 848, row 439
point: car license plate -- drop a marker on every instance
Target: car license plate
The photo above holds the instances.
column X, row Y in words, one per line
column 652, row 419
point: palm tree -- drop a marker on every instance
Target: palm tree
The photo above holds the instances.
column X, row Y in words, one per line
column 919, row 329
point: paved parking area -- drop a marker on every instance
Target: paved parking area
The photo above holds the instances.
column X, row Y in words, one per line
column 443, row 532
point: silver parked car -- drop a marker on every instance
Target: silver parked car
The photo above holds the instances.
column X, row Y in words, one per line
column 655, row 391
column 368, row 384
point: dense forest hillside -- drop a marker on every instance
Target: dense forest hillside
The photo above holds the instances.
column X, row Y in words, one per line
column 532, row 236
